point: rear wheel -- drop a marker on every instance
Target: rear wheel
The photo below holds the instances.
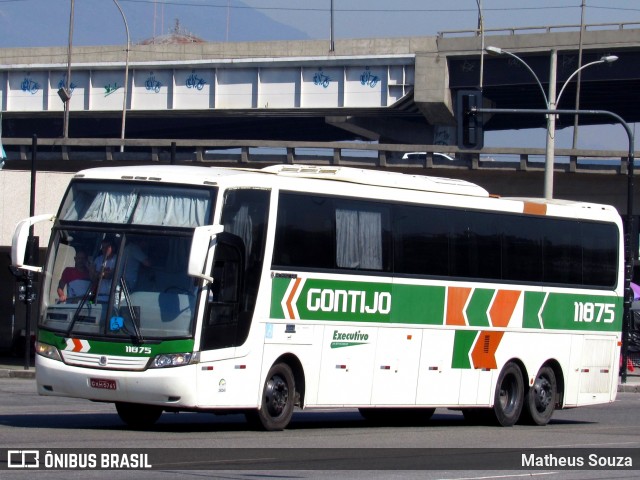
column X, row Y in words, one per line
column 278, row 397
column 509, row 395
column 138, row 416
column 540, row 401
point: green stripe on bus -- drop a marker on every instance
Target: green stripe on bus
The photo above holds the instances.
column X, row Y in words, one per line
column 417, row 304
column 462, row 343
column 532, row 304
column 478, row 307
column 110, row 347
column 377, row 302
column 279, row 287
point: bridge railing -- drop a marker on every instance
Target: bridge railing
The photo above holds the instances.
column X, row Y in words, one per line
column 540, row 29
column 74, row 154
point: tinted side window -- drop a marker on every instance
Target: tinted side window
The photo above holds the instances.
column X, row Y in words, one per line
column 599, row 254
column 421, row 240
column 485, row 243
column 562, row 252
column 304, row 232
column 522, row 248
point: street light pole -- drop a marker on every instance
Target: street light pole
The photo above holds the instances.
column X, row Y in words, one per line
column 126, row 76
column 67, row 87
column 549, row 158
column 481, row 31
column 331, row 43
column 551, row 103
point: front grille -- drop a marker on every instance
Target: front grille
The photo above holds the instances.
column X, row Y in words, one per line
column 111, row 362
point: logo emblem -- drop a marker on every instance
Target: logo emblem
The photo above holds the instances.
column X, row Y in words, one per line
column 103, row 361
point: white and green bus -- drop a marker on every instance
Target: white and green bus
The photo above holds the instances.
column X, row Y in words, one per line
column 258, row 291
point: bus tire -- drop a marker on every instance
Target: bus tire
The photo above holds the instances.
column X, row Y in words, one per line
column 509, row 396
column 540, row 401
column 138, row 416
column 278, row 397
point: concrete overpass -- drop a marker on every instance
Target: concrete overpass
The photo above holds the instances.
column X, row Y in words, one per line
column 396, row 90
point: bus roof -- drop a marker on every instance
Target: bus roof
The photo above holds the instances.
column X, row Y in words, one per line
column 380, row 179
column 204, row 175
column 200, row 175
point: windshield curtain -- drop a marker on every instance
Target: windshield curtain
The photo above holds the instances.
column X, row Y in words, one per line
column 133, row 204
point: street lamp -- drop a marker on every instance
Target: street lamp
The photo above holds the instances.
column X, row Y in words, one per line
column 65, row 91
column 126, row 76
column 551, row 102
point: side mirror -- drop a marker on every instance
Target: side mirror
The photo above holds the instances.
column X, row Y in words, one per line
column 20, row 241
column 202, row 237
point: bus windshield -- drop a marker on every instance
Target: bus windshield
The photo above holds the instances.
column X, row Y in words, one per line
column 119, row 284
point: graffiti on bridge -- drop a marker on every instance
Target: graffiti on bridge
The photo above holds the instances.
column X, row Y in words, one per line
column 152, row 84
column 193, row 81
column 369, row 78
column 319, row 78
column 29, row 86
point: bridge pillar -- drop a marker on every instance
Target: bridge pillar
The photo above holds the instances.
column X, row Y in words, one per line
column 431, row 91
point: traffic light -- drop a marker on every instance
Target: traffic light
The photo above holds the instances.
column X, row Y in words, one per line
column 470, row 128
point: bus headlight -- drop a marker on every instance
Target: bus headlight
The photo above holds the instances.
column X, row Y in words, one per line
column 48, row 351
column 174, row 359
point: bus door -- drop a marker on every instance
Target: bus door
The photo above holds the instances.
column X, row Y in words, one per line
column 231, row 301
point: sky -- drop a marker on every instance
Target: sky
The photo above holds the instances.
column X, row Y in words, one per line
column 29, row 23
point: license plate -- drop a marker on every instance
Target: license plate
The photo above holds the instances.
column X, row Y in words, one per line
column 104, row 383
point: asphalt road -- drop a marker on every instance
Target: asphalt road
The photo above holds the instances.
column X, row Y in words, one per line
column 326, row 441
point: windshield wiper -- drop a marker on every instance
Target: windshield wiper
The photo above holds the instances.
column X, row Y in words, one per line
column 76, row 314
column 137, row 335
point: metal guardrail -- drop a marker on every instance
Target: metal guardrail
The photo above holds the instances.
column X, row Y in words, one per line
column 60, row 154
column 541, row 29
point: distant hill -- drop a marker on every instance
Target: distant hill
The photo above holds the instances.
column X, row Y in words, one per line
column 45, row 23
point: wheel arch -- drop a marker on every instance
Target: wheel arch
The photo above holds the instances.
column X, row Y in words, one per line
column 521, row 366
column 298, row 375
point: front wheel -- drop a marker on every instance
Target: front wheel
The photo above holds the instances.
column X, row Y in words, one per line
column 138, row 416
column 509, row 395
column 540, row 401
column 278, row 396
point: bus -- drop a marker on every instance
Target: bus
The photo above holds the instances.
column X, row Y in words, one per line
column 259, row 291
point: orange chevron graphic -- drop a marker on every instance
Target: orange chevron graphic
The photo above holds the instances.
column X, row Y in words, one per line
column 77, row 345
column 503, row 306
column 456, row 300
column 290, row 298
column 483, row 354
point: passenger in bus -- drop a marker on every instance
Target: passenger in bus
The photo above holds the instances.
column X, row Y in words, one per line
column 76, row 279
column 102, row 269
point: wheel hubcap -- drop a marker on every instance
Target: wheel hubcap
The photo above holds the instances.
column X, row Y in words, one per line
column 507, row 394
column 277, row 395
column 542, row 394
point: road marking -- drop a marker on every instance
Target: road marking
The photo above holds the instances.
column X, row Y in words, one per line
column 515, row 475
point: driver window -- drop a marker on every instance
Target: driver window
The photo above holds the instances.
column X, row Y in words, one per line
column 237, row 268
column 221, row 320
